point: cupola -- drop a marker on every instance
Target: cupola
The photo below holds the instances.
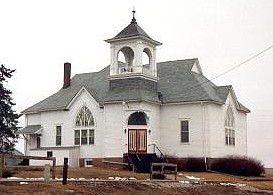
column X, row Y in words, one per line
column 135, row 44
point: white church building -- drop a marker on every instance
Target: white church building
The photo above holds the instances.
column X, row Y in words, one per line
column 135, row 107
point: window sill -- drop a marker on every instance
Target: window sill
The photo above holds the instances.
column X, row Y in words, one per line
column 186, row 143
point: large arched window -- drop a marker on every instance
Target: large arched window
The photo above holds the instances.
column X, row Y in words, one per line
column 84, row 117
column 125, row 59
column 146, row 57
column 229, row 127
column 84, row 132
column 137, row 118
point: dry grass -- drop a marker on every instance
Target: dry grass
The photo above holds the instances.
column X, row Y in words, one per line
column 209, row 176
column 94, row 172
column 85, row 172
column 269, row 172
column 264, row 185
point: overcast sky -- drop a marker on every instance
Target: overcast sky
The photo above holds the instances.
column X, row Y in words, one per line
column 37, row 37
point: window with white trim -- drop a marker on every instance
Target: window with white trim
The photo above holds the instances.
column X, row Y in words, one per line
column 88, row 163
column 77, row 137
column 229, row 128
column 49, row 154
column 84, row 133
column 91, row 136
column 184, row 131
column 58, row 135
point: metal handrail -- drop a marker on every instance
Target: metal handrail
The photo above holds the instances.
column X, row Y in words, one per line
column 161, row 153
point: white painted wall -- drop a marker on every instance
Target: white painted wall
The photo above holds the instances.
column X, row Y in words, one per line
column 171, row 115
column 66, row 119
column 116, row 120
column 60, row 154
column 153, row 123
column 206, row 125
column 217, row 114
column 87, row 151
column 33, row 119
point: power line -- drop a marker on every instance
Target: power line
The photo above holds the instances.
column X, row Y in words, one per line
column 242, row 63
column 231, row 69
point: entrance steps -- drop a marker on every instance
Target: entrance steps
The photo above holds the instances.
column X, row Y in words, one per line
column 141, row 162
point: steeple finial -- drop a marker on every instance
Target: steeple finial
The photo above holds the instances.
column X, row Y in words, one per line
column 134, row 12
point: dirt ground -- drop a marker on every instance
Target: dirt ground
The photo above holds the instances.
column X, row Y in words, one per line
column 209, row 183
column 124, row 188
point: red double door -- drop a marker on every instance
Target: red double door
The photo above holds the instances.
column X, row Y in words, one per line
column 137, row 141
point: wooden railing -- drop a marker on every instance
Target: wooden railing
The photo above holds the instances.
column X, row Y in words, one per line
column 163, row 169
column 4, row 167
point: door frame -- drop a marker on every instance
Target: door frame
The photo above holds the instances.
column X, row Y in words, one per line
column 137, row 141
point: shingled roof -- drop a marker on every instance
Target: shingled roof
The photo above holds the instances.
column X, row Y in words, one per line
column 133, row 30
column 176, row 82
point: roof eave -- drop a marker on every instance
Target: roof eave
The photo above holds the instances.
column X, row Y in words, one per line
column 43, row 110
column 244, row 110
column 125, row 38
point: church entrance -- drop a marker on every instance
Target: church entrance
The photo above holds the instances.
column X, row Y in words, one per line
column 137, row 133
column 137, row 141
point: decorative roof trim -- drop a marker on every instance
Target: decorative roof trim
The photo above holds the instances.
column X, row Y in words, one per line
column 112, row 40
column 236, row 102
column 78, row 94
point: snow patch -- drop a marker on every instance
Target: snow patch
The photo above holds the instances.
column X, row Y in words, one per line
column 232, row 184
column 23, row 183
column 186, row 182
column 14, row 178
column 192, row 177
column 132, row 178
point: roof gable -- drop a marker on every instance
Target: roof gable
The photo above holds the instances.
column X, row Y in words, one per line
column 83, row 89
column 196, row 67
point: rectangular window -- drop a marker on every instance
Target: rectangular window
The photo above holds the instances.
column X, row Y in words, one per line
column 184, row 131
column 233, row 137
column 77, row 137
column 230, row 136
column 58, row 135
column 226, row 136
column 84, row 137
column 91, row 136
column 38, row 142
column 88, row 162
column 49, row 154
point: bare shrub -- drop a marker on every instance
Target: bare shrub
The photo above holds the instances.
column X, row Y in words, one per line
column 243, row 166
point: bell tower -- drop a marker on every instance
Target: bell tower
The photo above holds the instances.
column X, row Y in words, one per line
column 134, row 43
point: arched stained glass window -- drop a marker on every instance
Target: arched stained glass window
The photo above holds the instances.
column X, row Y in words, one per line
column 84, row 117
column 229, row 127
column 84, row 132
column 229, row 117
